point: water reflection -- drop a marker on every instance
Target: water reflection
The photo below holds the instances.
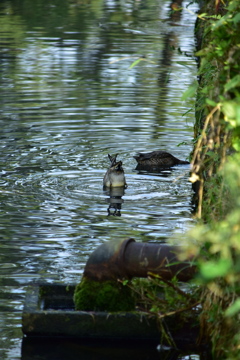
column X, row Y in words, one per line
column 163, row 172
column 115, row 200
column 158, row 169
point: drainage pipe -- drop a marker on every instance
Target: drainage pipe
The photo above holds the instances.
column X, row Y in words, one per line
column 125, row 259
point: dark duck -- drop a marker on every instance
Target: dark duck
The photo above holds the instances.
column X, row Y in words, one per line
column 157, row 159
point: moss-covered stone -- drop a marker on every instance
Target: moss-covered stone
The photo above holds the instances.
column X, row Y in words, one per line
column 108, row 296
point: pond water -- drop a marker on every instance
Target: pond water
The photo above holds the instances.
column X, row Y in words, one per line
column 80, row 80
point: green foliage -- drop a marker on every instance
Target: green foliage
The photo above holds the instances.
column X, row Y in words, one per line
column 168, row 301
column 216, row 246
column 164, row 298
column 216, row 165
column 190, row 92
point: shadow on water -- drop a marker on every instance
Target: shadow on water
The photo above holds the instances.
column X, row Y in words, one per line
column 59, row 349
column 115, row 200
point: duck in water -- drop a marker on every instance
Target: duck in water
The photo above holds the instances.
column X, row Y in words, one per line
column 114, row 176
column 157, row 159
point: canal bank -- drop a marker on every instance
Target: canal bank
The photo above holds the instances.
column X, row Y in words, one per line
column 216, row 175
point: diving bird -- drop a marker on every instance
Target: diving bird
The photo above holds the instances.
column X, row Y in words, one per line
column 114, row 176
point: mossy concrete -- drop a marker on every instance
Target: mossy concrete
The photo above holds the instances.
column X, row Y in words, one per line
column 49, row 312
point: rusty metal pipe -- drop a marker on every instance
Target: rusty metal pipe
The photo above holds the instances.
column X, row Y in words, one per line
column 121, row 259
column 140, row 259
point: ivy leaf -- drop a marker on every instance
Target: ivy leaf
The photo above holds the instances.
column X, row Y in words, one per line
column 236, row 19
column 234, row 82
column 190, row 92
column 236, row 144
column 233, row 309
column 214, row 269
column 211, row 102
column 231, row 110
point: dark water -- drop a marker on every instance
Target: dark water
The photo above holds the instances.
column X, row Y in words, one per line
column 69, row 95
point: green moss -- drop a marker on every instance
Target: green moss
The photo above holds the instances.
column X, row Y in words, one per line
column 103, row 296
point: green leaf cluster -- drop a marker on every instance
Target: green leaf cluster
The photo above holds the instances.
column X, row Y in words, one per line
column 216, row 164
column 216, row 246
